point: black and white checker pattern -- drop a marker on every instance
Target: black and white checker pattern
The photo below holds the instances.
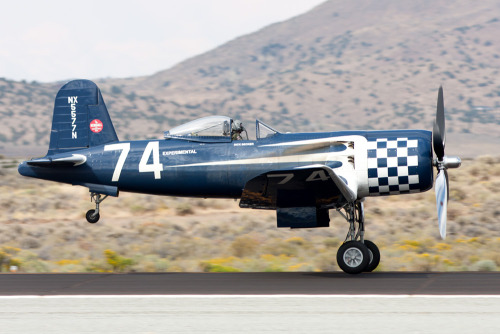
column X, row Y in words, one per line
column 393, row 166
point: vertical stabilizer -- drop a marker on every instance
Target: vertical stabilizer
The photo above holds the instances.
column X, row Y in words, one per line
column 81, row 119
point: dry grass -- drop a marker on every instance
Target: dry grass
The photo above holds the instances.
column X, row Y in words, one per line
column 43, row 229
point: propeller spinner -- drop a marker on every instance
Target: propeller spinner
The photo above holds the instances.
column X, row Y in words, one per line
column 442, row 163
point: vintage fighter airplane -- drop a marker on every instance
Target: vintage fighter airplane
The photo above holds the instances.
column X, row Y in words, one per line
column 300, row 175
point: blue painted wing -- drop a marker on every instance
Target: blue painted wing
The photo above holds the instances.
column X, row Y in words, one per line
column 309, row 186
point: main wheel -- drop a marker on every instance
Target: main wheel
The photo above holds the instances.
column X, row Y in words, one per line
column 374, row 254
column 91, row 218
column 353, row 257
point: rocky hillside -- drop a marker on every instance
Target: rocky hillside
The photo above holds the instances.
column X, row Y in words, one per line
column 342, row 65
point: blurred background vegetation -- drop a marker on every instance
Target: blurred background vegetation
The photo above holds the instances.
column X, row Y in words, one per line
column 43, row 229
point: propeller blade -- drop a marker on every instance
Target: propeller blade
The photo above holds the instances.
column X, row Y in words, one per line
column 438, row 131
column 447, row 185
column 442, row 201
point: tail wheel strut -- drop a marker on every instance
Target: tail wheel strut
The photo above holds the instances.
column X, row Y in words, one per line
column 93, row 215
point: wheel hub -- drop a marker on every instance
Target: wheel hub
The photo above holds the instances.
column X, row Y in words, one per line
column 353, row 257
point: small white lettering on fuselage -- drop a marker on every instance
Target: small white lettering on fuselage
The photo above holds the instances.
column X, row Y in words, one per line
column 179, row 152
column 243, row 144
column 72, row 101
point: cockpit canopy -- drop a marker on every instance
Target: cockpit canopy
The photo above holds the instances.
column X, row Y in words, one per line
column 207, row 129
column 215, row 129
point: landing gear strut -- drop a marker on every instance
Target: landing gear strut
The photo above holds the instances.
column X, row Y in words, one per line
column 357, row 255
column 93, row 215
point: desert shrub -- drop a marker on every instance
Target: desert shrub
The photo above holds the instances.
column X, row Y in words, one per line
column 273, row 263
column 97, row 267
column 297, row 241
column 301, row 267
column 151, row 263
column 425, row 261
column 69, row 266
column 185, row 248
column 244, row 246
column 215, row 268
column 7, row 257
column 30, row 262
column 279, row 247
column 184, row 209
column 218, row 265
column 332, row 243
column 117, row 262
column 441, row 246
column 326, row 261
column 161, row 246
column 30, row 243
column 485, row 265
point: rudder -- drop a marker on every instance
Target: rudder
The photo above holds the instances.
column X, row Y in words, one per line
column 80, row 119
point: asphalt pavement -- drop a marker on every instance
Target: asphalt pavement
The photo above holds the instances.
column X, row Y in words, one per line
column 303, row 283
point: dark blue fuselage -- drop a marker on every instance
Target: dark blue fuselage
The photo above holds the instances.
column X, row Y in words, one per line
column 221, row 170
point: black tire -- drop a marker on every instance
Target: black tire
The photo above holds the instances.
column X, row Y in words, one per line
column 91, row 218
column 374, row 254
column 353, row 257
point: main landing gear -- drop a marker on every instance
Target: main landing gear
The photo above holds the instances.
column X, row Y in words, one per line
column 357, row 255
column 93, row 215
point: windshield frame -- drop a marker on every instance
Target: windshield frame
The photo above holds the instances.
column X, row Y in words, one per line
column 259, row 126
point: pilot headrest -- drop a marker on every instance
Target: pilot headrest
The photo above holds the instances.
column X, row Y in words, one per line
column 237, row 125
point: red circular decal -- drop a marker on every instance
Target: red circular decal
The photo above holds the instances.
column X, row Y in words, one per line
column 96, row 126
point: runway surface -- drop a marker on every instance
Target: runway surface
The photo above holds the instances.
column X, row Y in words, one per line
column 382, row 303
column 307, row 283
column 250, row 314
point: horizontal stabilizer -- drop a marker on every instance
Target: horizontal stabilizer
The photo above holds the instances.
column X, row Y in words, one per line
column 73, row 160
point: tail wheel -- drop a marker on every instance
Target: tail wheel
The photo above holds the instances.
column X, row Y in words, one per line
column 353, row 257
column 374, row 255
column 92, row 216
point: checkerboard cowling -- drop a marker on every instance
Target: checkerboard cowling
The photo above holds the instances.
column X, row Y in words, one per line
column 393, row 166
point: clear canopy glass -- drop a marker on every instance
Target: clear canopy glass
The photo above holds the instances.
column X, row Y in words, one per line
column 214, row 129
column 264, row 130
column 210, row 128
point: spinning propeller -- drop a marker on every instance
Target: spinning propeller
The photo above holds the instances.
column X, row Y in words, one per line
column 442, row 163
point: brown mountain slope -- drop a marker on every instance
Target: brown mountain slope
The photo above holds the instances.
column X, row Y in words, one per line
column 343, row 65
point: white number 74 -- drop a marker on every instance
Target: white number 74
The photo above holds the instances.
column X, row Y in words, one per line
column 153, row 148
column 125, row 148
